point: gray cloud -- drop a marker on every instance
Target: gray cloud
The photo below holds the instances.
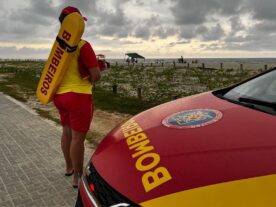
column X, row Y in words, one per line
column 266, row 26
column 24, row 52
column 38, row 12
column 87, row 7
column 213, row 33
column 205, row 21
column 263, row 10
column 236, row 24
column 197, row 11
column 113, row 23
column 201, row 19
column 172, row 44
column 145, row 27
column 30, row 23
column 187, row 31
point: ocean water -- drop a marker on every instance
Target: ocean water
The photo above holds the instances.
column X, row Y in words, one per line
column 227, row 63
column 235, row 63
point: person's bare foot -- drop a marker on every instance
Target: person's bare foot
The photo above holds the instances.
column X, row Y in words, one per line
column 69, row 172
column 76, row 180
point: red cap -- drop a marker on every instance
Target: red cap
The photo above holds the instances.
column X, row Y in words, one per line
column 68, row 10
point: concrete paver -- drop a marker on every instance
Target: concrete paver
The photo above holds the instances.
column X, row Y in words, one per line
column 31, row 161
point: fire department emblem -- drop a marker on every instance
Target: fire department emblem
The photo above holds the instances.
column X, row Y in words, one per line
column 192, row 118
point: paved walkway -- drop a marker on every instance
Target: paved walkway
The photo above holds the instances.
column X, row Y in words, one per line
column 31, row 163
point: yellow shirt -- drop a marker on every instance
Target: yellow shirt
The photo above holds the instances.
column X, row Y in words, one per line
column 72, row 81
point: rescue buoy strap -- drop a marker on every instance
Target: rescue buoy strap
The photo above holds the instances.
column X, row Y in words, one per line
column 65, row 46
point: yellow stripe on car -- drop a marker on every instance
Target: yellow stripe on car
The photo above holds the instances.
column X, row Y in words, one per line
column 252, row 192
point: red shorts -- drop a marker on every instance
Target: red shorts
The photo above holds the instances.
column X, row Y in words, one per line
column 75, row 110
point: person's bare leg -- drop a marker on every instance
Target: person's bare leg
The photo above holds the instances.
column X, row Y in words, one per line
column 77, row 154
column 66, row 139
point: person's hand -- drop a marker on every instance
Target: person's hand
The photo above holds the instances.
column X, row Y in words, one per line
column 95, row 74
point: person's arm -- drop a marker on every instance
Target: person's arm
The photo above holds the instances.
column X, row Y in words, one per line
column 88, row 59
column 95, row 74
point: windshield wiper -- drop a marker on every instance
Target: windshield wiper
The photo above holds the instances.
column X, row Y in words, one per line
column 250, row 103
column 258, row 102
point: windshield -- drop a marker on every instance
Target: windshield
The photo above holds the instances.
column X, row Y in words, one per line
column 258, row 93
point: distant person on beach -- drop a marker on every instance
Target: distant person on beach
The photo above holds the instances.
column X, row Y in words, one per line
column 133, row 60
column 182, row 60
column 74, row 102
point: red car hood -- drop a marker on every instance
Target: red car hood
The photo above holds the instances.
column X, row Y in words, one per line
column 240, row 144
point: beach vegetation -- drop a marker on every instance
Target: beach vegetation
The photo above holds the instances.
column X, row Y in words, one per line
column 138, row 86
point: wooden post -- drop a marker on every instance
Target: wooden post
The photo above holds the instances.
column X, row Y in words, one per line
column 175, row 97
column 114, row 89
column 139, row 93
column 173, row 64
column 162, row 64
column 150, row 64
column 241, row 66
column 221, row 66
column 265, row 67
column 188, row 65
column 116, row 63
column 203, row 66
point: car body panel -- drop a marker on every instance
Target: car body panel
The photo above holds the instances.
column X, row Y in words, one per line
column 87, row 197
column 240, row 145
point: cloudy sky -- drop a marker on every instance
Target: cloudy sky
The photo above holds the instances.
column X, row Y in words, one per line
column 153, row 28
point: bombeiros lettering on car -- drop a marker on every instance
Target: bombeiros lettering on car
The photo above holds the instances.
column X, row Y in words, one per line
column 54, row 64
column 138, row 142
